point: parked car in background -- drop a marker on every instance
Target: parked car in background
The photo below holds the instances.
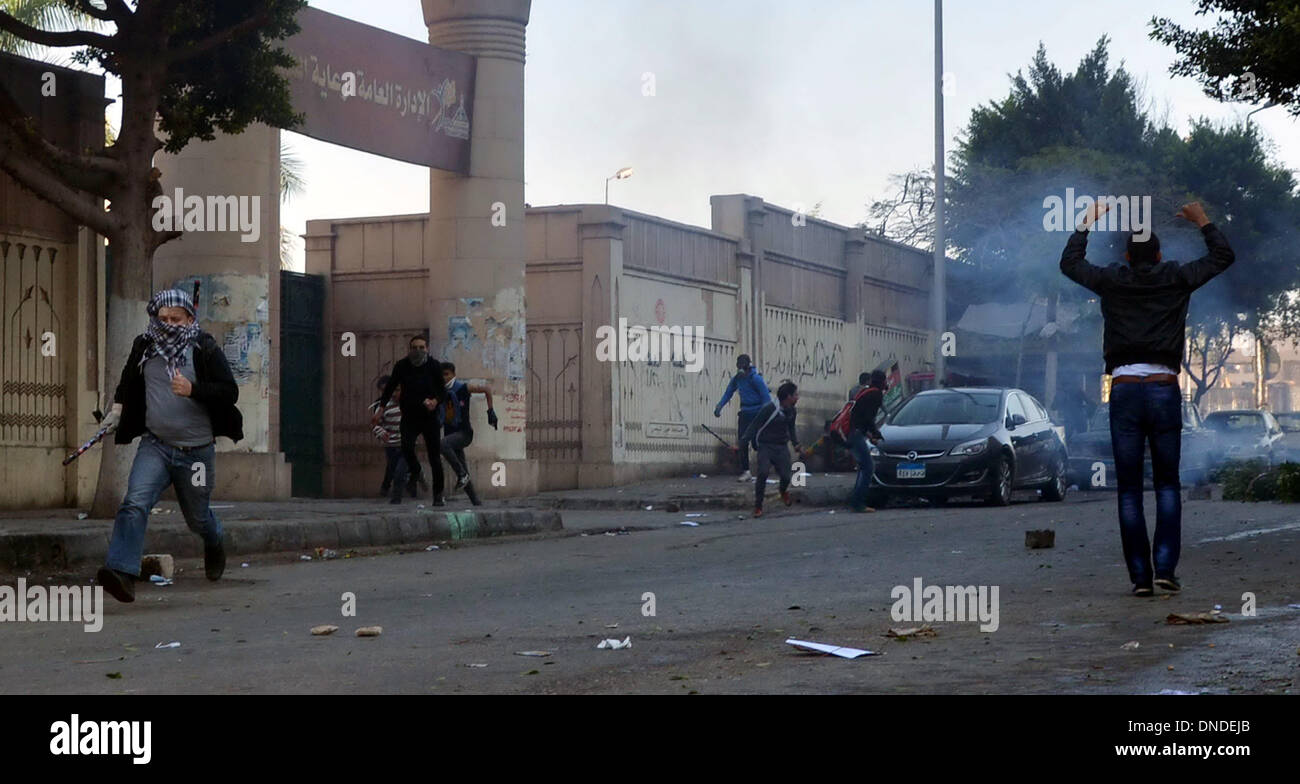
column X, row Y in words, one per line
column 1248, row 434
column 1289, row 421
column 964, row 441
column 1198, row 451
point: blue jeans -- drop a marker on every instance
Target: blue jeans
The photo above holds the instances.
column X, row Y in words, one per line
column 157, row 465
column 1141, row 413
column 862, row 454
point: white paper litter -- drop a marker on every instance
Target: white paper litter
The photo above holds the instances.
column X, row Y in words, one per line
column 537, row 654
column 834, row 650
column 431, row 548
column 613, row 645
column 158, row 579
column 304, row 558
column 691, row 524
column 167, row 645
column 648, row 508
column 696, row 514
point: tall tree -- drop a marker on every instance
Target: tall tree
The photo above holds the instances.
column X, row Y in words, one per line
column 188, row 69
column 1250, row 54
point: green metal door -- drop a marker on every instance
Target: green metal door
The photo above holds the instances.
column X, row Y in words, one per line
column 302, row 380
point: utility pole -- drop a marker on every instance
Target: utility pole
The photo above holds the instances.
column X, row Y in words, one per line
column 938, row 294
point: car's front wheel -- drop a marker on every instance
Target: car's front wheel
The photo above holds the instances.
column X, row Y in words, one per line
column 1000, row 491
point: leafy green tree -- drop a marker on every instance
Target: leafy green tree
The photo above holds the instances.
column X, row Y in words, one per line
column 188, row 70
column 1250, row 54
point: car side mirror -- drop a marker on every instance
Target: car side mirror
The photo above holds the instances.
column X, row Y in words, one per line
column 1014, row 421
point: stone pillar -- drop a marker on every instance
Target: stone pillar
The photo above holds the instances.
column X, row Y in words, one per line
column 600, row 245
column 475, row 242
column 755, row 212
column 239, row 295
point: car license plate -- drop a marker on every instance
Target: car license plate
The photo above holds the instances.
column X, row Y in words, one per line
column 911, row 471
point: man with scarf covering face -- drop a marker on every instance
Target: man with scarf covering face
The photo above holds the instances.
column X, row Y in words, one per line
column 176, row 392
column 420, row 377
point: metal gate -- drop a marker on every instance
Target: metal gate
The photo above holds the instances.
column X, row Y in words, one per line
column 302, row 380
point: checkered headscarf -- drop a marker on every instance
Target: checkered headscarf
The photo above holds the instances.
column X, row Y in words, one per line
column 169, row 341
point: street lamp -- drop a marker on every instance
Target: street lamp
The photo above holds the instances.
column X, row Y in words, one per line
column 1268, row 105
column 621, row 174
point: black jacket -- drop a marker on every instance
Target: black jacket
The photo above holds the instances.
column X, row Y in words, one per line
column 1145, row 306
column 417, row 384
column 214, row 387
column 775, row 434
column 865, row 409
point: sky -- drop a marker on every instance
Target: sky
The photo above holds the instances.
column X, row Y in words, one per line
column 796, row 102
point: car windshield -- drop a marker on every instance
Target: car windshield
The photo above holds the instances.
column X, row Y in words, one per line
column 1290, row 421
column 1235, row 422
column 949, row 408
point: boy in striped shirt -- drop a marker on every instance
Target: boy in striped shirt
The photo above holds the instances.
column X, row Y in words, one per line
column 388, row 429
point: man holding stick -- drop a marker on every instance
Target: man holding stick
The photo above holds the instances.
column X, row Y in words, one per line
column 1144, row 305
column 176, row 392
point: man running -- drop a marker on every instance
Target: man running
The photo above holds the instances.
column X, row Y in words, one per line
column 769, row 430
column 1144, row 306
column 420, row 377
column 862, row 429
column 458, row 431
column 754, row 395
column 177, row 392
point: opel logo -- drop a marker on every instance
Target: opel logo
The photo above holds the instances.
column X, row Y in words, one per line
column 911, row 455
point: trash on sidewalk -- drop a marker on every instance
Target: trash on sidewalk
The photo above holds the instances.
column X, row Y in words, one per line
column 158, row 579
column 431, row 548
column 689, row 523
column 159, row 510
column 1194, row 618
column 323, row 629
column 476, row 665
column 1131, row 645
column 304, row 558
column 82, row 515
column 167, row 645
column 614, row 645
column 611, row 626
column 160, row 564
column 370, row 631
column 326, row 554
column 924, row 630
column 648, row 508
column 537, row 654
column 834, row 650
column 1040, row 540
column 243, row 566
column 696, row 514
column 701, row 476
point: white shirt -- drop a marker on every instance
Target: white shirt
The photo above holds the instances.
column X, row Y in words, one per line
column 1142, row 369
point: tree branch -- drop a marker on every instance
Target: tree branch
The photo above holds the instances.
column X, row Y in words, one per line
column 216, row 39
column 79, row 168
column 118, row 10
column 85, row 7
column 78, row 205
column 56, row 40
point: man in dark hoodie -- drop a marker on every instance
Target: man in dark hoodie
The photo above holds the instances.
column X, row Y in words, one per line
column 1144, row 305
column 769, row 430
column 176, row 391
column 862, row 433
column 420, row 377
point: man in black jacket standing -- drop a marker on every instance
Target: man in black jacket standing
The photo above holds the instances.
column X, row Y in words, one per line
column 862, row 433
column 178, row 393
column 1144, row 305
column 420, row 377
column 772, row 426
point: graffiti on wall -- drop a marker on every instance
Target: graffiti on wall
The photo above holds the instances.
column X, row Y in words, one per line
column 796, row 360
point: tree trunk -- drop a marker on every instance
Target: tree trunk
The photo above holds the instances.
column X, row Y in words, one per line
column 129, row 284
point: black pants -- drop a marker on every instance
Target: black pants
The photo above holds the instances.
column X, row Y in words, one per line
column 424, row 424
column 742, row 422
column 770, row 456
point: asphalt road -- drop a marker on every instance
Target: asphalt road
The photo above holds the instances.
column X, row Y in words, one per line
column 727, row 594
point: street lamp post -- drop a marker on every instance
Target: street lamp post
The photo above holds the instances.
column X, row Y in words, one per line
column 621, row 174
column 938, row 304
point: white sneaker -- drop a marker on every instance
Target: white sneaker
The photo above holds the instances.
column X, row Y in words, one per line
column 745, row 477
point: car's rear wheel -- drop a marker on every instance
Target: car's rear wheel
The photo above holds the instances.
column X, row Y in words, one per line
column 1000, row 491
column 1056, row 489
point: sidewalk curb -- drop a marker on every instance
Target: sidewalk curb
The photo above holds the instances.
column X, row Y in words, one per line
column 741, row 500
column 74, row 549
